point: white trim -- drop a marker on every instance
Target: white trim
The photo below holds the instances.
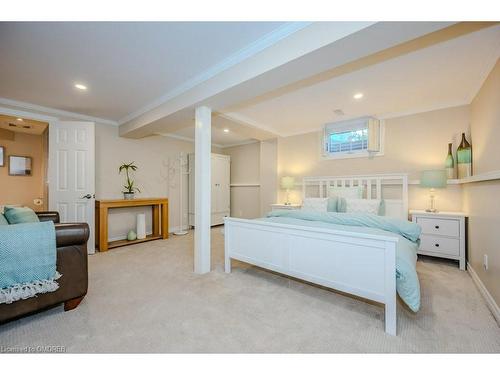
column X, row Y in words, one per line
column 245, row 185
column 243, row 54
column 487, row 176
column 26, row 115
column 490, row 302
column 56, row 112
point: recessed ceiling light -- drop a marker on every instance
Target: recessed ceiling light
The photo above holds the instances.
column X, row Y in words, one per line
column 226, row 130
column 20, row 119
column 358, row 95
column 79, row 86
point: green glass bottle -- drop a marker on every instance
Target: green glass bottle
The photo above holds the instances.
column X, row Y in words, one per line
column 449, row 163
column 464, row 158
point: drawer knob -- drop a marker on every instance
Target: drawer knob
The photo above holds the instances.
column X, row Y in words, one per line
column 437, row 227
column 437, row 245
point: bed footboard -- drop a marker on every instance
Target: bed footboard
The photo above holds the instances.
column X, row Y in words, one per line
column 356, row 263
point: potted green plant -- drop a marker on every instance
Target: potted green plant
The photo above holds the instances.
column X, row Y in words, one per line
column 129, row 184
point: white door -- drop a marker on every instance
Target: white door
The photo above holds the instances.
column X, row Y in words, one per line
column 71, row 173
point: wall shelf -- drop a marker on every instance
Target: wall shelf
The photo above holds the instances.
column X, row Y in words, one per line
column 488, row 176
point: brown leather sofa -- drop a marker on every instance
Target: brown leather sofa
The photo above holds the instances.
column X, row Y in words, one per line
column 71, row 242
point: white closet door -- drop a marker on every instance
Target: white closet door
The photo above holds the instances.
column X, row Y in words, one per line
column 71, row 172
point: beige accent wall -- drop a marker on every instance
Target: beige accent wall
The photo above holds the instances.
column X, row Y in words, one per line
column 23, row 190
column 481, row 199
column 245, row 169
column 412, row 143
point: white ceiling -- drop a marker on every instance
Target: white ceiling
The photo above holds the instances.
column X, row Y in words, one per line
column 445, row 74
column 125, row 65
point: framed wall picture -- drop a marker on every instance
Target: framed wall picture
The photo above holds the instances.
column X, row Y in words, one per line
column 2, row 158
column 20, row 165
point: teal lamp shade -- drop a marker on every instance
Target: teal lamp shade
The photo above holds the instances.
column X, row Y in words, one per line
column 287, row 182
column 433, row 179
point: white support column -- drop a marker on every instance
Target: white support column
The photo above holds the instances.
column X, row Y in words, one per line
column 202, row 189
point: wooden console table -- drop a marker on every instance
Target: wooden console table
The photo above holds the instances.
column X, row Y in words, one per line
column 160, row 227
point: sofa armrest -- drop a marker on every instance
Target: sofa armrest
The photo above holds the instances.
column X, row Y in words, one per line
column 48, row 216
column 72, row 234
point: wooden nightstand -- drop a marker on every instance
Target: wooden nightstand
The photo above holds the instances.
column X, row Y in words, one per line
column 281, row 206
column 443, row 234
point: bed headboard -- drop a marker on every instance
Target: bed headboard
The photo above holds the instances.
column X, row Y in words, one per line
column 392, row 188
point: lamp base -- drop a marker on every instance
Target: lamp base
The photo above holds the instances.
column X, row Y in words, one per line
column 433, row 210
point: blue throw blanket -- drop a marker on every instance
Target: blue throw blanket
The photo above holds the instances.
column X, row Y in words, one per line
column 27, row 260
column 407, row 283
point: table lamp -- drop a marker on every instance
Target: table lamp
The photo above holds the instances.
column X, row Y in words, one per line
column 433, row 179
column 287, row 183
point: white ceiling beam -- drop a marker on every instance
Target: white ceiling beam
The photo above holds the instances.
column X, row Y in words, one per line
column 307, row 52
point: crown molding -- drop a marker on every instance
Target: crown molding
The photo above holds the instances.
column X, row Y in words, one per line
column 55, row 112
column 250, row 50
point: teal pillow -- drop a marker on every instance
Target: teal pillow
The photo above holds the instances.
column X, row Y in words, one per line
column 332, row 204
column 3, row 220
column 20, row 215
column 381, row 209
column 341, row 205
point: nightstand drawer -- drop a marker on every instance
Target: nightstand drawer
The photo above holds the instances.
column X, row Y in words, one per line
column 443, row 227
column 439, row 245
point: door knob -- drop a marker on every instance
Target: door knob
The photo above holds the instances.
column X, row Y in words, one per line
column 87, row 196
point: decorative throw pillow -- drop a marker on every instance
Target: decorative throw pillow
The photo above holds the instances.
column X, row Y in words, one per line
column 340, row 193
column 3, row 220
column 19, row 215
column 332, row 205
column 315, row 204
column 363, row 206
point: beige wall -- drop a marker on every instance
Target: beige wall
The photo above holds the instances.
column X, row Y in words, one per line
column 481, row 199
column 245, row 169
column 152, row 156
column 412, row 143
column 268, row 174
column 23, row 189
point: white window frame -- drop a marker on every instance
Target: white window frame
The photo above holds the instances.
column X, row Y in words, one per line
column 347, row 126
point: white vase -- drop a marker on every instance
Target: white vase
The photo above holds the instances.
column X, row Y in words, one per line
column 141, row 226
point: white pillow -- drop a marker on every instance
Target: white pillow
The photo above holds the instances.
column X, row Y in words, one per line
column 362, row 206
column 315, row 204
column 346, row 192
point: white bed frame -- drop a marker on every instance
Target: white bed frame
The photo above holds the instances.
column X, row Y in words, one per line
column 357, row 263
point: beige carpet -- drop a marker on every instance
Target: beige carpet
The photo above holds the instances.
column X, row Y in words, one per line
column 145, row 298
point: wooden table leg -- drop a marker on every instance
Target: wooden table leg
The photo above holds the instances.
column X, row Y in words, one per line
column 156, row 219
column 164, row 220
column 103, row 229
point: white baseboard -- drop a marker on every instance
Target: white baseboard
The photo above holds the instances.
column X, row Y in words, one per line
column 492, row 305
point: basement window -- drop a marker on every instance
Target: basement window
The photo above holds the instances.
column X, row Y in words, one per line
column 360, row 137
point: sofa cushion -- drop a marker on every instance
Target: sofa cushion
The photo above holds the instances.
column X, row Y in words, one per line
column 3, row 220
column 20, row 215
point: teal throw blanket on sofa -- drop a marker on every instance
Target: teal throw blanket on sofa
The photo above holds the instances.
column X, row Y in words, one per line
column 27, row 260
